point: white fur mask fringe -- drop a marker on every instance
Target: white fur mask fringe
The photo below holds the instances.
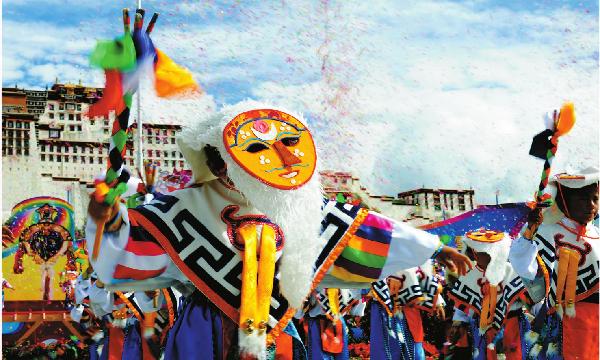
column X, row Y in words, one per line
column 498, row 252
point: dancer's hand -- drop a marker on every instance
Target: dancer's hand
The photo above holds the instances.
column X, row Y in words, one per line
column 454, row 261
column 535, row 217
column 102, row 212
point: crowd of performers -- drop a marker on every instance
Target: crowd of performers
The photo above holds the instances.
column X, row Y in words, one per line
column 248, row 261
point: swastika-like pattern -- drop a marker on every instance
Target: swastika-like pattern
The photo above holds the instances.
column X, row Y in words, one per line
column 467, row 291
column 212, row 260
column 429, row 287
column 382, row 294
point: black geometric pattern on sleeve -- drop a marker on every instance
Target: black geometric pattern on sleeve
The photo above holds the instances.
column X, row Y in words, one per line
column 337, row 219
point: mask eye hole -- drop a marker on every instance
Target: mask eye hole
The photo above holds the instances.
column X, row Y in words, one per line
column 290, row 141
column 256, row 147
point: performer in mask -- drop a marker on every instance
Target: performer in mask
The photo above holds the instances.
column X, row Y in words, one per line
column 251, row 233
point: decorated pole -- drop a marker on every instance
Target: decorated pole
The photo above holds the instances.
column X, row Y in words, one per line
column 108, row 191
column 545, row 146
column 123, row 60
column 140, row 150
column 115, row 183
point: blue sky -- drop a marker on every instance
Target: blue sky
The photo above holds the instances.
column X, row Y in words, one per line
column 435, row 93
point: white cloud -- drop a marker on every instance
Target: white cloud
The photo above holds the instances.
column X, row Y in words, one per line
column 435, row 93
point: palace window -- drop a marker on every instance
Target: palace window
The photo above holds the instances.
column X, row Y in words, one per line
column 61, row 116
column 71, row 117
column 61, row 106
column 43, row 157
column 54, row 134
column 50, row 106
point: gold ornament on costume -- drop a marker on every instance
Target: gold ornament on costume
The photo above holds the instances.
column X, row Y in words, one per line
column 489, row 236
column 272, row 146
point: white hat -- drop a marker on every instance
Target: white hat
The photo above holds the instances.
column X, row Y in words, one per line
column 579, row 179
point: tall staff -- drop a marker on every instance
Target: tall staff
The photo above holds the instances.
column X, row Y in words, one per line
column 115, row 183
column 545, row 146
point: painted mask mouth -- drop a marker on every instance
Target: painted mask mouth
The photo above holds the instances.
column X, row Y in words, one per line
column 289, row 174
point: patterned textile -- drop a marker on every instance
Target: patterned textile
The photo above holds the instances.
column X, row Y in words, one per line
column 212, row 265
column 346, row 302
column 548, row 238
column 431, row 288
column 467, row 294
column 365, row 255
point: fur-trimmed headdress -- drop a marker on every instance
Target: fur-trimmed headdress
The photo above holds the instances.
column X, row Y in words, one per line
column 497, row 246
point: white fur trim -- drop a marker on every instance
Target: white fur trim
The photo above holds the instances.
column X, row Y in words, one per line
column 491, row 346
column 570, row 311
column 498, row 252
column 253, row 344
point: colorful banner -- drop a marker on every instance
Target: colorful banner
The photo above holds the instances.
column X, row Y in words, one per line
column 508, row 218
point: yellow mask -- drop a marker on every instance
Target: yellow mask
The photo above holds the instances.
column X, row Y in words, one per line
column 272, row 146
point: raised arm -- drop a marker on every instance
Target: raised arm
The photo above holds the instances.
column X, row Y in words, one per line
column 129, row 257
column 374, row 246
column 523, row 252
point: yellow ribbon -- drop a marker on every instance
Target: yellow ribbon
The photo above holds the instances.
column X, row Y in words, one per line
column 334, row 302
column 488, row 306
column 257, row 278
column 566, row 283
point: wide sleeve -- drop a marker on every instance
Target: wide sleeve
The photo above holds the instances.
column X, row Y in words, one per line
column 129, row 257
column 371, row 248
column 522, row 257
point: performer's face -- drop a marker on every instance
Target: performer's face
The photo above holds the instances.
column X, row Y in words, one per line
column 272, row 146
column 581, row 204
